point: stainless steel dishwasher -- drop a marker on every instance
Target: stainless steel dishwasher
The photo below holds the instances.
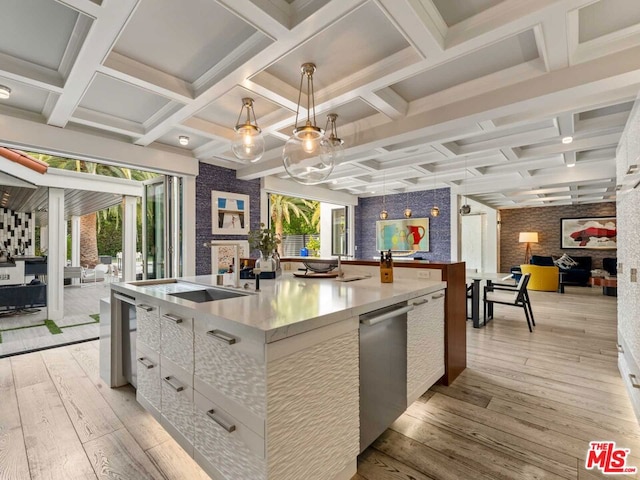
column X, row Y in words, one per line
column 383, row 370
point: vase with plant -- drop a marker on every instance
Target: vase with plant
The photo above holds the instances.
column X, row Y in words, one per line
column 313, row 245
column 265, row 240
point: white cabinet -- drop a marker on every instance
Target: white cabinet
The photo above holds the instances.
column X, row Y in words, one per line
column 148, row 367
column 148, row 325
column 425, row 344
column 177, row 403
column 176, row 335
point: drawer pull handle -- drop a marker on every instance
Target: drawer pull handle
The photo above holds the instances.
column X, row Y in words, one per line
column 173, row 318
column 145, row 307
column 176, row 386
column 146, row 362
column 620, row 349
column 222, row 336
column 420, row 302
column 440, row 295
column 229, row 427
column 634, row 382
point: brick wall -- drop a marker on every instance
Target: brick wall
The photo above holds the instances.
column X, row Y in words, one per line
column 546, row 221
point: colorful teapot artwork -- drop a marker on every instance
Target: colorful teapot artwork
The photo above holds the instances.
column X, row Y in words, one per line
column 416, row 233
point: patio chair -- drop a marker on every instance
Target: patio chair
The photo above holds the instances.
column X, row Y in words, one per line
column 509, row 295
column 93, row 274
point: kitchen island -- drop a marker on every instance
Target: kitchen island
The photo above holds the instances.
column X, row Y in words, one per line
column 266, row 385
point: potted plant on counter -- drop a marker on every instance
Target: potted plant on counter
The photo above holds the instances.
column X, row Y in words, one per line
column 265, row 240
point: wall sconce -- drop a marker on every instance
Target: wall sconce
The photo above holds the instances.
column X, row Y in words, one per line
column 306, row 156
column 248, row 142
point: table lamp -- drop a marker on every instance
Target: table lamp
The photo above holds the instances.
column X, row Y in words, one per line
column 528, row 238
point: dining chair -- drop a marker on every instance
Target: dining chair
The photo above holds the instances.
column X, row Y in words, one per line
column 512, row 295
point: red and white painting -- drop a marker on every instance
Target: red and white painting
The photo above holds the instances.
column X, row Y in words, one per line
column 597, row 232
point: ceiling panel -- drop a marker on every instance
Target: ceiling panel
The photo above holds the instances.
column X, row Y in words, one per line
column 24, row 96
column 120, row 99
column 455, row 11
column 37, row 31
column 606, row 16
column 224, row 110
column 493, row 58
column 184, row 39
column 360, row 39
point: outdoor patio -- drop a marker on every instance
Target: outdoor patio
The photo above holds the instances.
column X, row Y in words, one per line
column 27, row 332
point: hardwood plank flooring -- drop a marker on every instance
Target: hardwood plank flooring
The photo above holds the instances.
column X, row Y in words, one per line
column 525, row 408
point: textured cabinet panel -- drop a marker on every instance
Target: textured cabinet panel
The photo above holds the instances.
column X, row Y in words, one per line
column 313, row 410
column 237, row 375
column 177, row 338
column 425, row 344
column 148, row 326
column 177, row 406
column 234, row 454
column 148, row 368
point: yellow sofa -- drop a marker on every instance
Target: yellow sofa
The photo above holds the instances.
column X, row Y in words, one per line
column 543, row 279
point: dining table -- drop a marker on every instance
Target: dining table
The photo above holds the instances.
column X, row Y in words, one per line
column 475, row 282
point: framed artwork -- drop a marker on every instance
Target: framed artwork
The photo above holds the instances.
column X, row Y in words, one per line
column 403, row 235
column 229, row 213
column 593, row 232
column 222, row 252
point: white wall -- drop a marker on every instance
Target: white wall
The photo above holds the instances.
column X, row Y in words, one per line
column 489, row 239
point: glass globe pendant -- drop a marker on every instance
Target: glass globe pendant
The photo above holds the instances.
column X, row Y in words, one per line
column 308, row 156
column 248, row 142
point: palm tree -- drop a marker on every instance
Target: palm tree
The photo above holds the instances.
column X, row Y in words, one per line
column 89, row 222
column 281, row 208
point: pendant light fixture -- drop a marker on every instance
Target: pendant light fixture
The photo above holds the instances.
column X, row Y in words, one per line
column 465, row 209
column 248, row 142
column 435, row 211
column 407, row 211
column 384, row 214
column 332, row 141
column 306, row 156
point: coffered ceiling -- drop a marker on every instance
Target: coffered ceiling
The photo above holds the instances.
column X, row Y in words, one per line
column 475, row 95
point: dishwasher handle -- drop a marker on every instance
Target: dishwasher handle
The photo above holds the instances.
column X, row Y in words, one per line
column 386, row 316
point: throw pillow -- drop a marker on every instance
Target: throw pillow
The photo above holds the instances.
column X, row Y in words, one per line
column 565, row 262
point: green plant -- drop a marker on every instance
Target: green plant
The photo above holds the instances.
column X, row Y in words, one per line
column 264, row 239
column 313, row 244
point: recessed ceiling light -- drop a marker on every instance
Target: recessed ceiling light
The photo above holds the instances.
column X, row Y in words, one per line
column 567, row 140
column 5, row 92
column 571, row 165
column 334, row 182
column 184, row 140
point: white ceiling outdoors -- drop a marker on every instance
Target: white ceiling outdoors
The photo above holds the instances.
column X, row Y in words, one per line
column 475, row 95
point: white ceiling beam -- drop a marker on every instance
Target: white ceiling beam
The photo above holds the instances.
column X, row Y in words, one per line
column 30, row 73
column 271, row 18
column 95, row 119
column 388, row 102
column 85, row 7
column 596, row 141
column 99, row 41
column 128, row 70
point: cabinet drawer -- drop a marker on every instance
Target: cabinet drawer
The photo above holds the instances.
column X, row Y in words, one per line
column 148, row 392
column 226, row 443
column 176, row 335
column 177, row 403
column 148, row 325
column 231, row 364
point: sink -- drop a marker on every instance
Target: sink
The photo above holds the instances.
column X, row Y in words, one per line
column 207, row 295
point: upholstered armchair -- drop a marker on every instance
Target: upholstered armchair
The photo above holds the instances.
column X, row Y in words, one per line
column 543, row 279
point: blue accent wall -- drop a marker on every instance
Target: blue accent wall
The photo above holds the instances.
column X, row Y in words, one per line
column 222, row 179
column 368, row 212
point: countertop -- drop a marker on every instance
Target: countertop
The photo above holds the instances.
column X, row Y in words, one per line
column 288, row 305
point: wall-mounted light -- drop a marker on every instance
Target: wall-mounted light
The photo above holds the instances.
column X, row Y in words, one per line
column 306, row 156
column 5, row 92
column 567, row 140
column 248, row 142
column 183, row 140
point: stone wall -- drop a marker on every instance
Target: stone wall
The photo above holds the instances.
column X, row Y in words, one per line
column 221, row 179
column 368, row 210
column 546, row 221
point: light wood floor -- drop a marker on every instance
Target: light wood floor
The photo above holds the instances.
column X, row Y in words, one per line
column 525, row 408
